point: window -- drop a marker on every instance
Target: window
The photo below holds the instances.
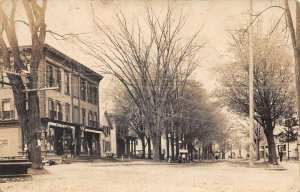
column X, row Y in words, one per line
column 107, row 147
column 50, row 80
column 106, row 130
column 75, row 86
column 90, row 123
column 94, row 95
column 67, row 110
column 53, row 76
column 58, row 111
column 51, row 109
column 67, row 83
column 4, row 79
column 7, row 113
column 76, row 115
column 83, row 117
column 95, row 120
column 58, row 78
column 83, row 90
column 89, row 98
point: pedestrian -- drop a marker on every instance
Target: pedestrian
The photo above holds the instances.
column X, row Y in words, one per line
column 280, row 155
column 72, row 148
column 28, row 154
column 183, row 158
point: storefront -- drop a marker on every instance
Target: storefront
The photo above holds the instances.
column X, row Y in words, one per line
column 92, row 144
column 58, row 138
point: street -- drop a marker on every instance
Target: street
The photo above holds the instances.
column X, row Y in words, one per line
column 148, row 176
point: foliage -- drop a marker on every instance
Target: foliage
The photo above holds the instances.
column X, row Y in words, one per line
column 273, row 96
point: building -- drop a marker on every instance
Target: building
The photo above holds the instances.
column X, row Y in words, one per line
column 126, row 139
column 69, row 114
column 108, row 136
column 284, row 147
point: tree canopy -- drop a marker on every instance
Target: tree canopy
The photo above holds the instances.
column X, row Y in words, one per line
column 273, row 80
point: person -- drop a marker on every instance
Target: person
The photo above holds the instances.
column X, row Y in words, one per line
column 217, row 157
column 280, row 155
column 28, row 154
column 72, row 148
column 183, row 158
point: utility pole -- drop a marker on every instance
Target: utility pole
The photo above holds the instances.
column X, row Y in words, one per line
column 251, row 94
column 296, row 44
column 288, row 138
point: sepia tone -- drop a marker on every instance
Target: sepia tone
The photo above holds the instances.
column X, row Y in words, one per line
column 149, row 95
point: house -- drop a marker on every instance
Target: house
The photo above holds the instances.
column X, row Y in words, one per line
column 69, row 114
column 108, row 136
column 126, row 139
column 285, row 146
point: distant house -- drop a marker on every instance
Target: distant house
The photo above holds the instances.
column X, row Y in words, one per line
column 69, row 114
column 108, row 136
column 126, row 140
column 283, row 146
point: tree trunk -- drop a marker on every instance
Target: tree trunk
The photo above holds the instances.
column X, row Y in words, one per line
column 203, row 152
column 177, row 145
column 34, row 122
column 257, row 150
column 295, row 37
column 271, row 144
column 149, row 147
column 159, row 149
column 167, row 143
column 199, row 149
column 210, row 152
column 172, row 146
column 191, row 150
column 33, row 136
column 155, row 143
column 142, row 137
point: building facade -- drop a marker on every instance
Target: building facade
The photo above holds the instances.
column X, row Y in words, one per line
column 108, row 136
column 69, row 114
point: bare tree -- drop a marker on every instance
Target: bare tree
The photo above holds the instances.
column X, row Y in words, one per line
column 130, row 116
column 147, row 60
column 29, row 118
column 272, row 82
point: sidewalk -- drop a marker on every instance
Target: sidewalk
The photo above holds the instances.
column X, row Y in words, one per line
column 292, row 166
column 133, row 161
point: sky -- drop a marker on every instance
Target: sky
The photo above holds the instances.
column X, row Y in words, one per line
column 215, row 17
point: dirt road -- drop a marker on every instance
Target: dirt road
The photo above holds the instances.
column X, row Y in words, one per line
column 146, row 176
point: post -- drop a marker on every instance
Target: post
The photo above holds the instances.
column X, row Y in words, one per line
column 288, row 142
column 296, row 45
column 264, row 152
column 298, row 147
column 251, row 95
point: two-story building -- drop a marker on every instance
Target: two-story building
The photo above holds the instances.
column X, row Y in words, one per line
column 108, row 136
column 69, row 114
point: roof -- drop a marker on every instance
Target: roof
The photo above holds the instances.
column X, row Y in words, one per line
column 65, row 60
column 280, row 129
column 105, row 120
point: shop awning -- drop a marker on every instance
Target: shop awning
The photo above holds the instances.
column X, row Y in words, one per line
column 60, row 125
column 92, row 131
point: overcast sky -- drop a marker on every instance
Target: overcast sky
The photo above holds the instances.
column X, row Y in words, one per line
column 216, row 16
